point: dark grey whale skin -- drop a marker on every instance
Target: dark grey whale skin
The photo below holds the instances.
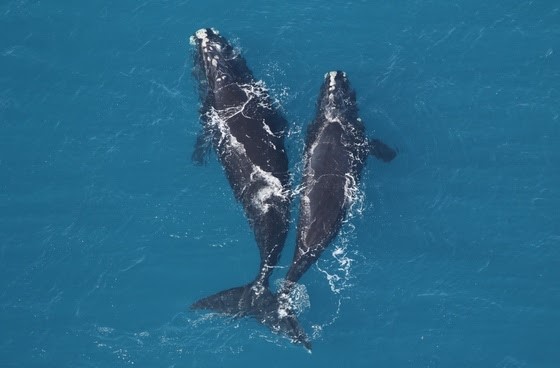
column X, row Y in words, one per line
column 240, row 122
column 335, row 154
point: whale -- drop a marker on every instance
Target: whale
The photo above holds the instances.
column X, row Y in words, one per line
column 336, row 149
column 242, row 124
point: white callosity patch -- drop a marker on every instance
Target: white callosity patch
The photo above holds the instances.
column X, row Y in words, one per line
column 202, row 34
column 332, row 81
column 332, row 78
column 207, row 45
column 330, row 110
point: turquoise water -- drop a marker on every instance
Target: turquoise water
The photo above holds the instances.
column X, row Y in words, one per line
column 108, row 232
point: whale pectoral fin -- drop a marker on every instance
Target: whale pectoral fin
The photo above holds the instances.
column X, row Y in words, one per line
column 382, row 151
column 201, row 148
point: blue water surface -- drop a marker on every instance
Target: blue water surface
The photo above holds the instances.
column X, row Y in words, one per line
column 108, row 232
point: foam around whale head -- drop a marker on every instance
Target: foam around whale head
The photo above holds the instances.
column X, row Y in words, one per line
column 336, row 94
column 217, row 60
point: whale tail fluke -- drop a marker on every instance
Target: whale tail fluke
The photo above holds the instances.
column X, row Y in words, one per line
column 227, row 302
column 258, row 302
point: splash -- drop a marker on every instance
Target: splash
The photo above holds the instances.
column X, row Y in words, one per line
column 208, row 334
column 318, row 328
column 340, row 277
column 356, row 199
column 298, row 299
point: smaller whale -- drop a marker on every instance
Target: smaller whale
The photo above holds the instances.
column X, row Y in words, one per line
column 335, row 154
column 240, row 121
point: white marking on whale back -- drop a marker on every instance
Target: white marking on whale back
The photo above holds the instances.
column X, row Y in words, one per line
column 350, row 190
column 218, row 120
column 270, row 186
column 267, row 128
column 202, row 35
column 305, row 205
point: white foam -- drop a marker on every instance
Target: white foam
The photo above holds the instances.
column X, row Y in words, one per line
column 282, row 312
column 337, row 252
column 340, row 277
column 296, row 301
column 350, row 190
column 273, row 188
column 238, row 146
column 258, row 289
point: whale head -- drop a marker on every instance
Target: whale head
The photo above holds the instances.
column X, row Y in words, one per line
column 337, row 96
column 216, row 60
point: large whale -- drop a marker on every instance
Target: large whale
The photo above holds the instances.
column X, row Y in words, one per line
column 240, row 121
column 335, row 154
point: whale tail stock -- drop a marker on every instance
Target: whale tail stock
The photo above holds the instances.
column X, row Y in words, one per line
column 257, row 301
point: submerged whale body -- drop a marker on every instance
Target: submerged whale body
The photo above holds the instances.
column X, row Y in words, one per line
column 240, row 122
column 335, row 154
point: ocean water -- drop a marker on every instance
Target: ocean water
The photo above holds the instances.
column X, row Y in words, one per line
column 108, row 232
